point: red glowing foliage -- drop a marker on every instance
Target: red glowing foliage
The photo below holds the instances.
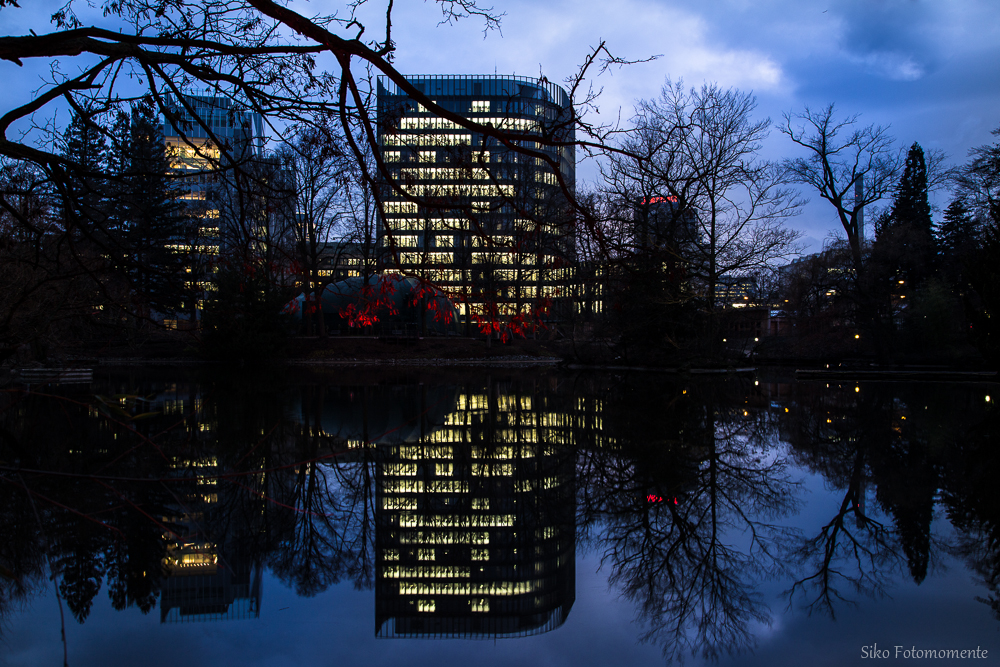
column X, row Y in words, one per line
column 488, row 320
column 431, row 295
column 372, row 298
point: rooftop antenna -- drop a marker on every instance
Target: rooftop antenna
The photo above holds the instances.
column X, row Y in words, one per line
column 859, row 195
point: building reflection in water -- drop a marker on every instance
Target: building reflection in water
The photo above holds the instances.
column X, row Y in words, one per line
column 204, row 580
column 474, row 532
column 474, row 525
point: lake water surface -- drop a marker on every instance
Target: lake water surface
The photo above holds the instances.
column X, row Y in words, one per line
column 497, row 515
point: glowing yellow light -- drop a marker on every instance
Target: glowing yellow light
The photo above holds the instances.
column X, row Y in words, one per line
column 857, row 336
column 857, row 389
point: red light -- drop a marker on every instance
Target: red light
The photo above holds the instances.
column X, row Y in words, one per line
column 660, row 200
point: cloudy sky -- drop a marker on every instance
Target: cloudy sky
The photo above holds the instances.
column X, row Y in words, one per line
column 929, row 69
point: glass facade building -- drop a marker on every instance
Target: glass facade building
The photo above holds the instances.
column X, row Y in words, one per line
column 486, row 223
column 204, row 133
column 474, row 524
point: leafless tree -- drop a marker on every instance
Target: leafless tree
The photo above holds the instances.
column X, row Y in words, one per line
column 700, row 148
column 316, row 168
column 840, row 155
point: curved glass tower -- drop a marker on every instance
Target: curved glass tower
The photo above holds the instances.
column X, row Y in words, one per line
column 486, row 223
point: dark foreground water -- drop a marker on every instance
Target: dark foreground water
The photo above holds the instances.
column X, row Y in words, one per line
column 497, row 518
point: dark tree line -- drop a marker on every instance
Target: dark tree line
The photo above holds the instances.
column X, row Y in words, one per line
column 902, row 287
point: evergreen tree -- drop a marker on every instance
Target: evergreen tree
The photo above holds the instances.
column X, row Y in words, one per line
column 82, row 185
column 957, row 231
column 956, row 239
column 911, row 214
column 153, row 216
column 905, row 243
column 911, row 206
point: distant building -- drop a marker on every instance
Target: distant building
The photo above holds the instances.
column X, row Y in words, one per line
column 204, row 134
column 207, row 136
column 659, row 222
column 489, row 224
column 475, row 540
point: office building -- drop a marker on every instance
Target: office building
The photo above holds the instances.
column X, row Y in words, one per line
column 206, row 138
column 485, row 223
column 474, row 525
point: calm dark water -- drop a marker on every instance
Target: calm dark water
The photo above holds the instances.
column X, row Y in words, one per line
column 366, row 517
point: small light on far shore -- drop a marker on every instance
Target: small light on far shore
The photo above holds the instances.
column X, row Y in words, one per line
column 857, row 389
column 857, row 336
column 988, row 399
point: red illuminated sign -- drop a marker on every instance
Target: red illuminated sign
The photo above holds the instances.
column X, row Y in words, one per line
column 660, row 200
column 652, row 498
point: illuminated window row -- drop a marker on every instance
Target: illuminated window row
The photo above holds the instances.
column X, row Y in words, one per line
column 499, row 588
column 447, row 435
column 546, row 177
column 447, row 275
column 400, row 207
column 183, row 150
column 419, row 486
column 450, row 139
column 397, row 503
column 425, row 224
column 444, row 537
column 526, row 486
column 430, row 257
column 401, row 469
column 457, row 521
column 492, row 240
column 437, row 123
column 404, row 241
column 504, row 452
column 495, row 258
column 425, row 572
column 431, row 452
column 458, row 190
column 446, row 174
column 492, row 469
column 455, row 419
